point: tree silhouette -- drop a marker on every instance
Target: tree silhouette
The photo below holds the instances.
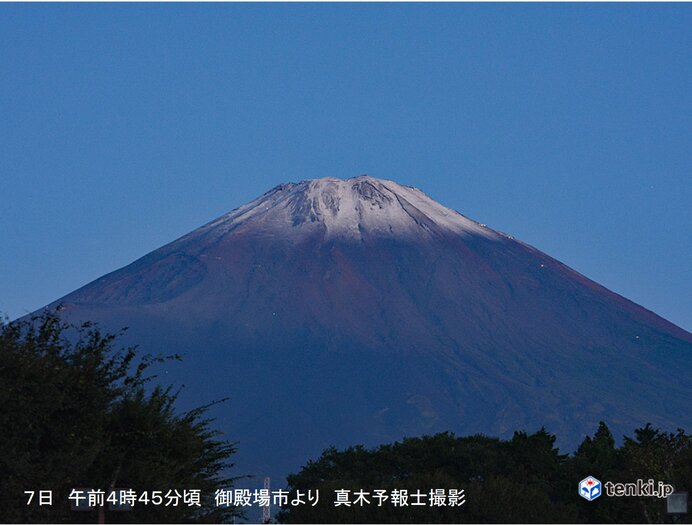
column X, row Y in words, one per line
column 77, row 412
column 521, row 480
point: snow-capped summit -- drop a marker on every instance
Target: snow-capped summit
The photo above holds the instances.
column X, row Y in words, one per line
column 351, row 208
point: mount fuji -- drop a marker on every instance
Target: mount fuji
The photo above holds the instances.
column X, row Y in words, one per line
column 361, row 311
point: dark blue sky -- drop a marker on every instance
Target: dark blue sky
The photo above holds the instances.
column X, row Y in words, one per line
column 124, row 126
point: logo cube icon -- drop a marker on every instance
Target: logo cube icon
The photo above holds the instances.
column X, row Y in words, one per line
column 589, row 488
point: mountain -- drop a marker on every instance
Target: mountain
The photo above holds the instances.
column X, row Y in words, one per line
column 361, row 311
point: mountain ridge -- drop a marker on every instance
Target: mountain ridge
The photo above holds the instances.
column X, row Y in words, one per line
column 409, row 321
column 479, row 229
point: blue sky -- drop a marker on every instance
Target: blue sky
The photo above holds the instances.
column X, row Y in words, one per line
column 124, row 126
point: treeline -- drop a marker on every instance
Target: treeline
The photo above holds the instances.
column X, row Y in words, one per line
column 521, row 480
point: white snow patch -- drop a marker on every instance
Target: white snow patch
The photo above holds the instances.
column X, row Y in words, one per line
column 346, row 208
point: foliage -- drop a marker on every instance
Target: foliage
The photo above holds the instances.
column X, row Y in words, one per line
column 77, row 413
column 521, row 480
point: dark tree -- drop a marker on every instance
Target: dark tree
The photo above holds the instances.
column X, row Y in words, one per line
column 521, row 480
column 503, row 481
column 77, row 412
column 654, row 454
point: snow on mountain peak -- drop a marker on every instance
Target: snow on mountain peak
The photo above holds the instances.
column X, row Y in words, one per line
column 348, row 208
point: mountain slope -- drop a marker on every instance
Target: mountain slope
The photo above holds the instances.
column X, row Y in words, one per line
column 340, row 312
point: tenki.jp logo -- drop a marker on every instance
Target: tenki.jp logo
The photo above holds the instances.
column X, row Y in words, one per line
column 589, row 488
